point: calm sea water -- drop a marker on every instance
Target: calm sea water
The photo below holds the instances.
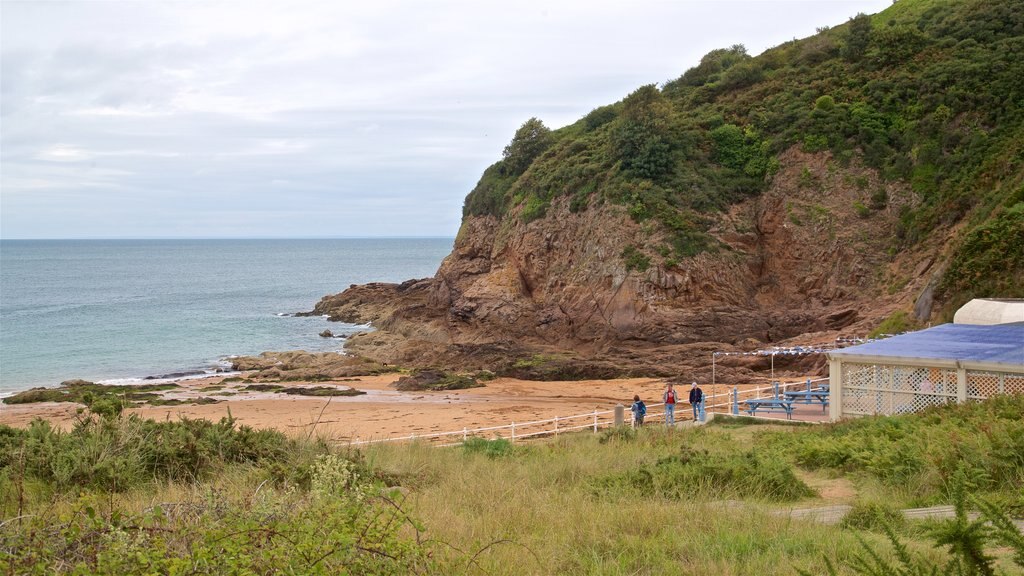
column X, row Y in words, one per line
column 127, row 309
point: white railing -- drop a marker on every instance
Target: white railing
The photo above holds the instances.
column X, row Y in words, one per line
column 595, row 420
column 516, row 430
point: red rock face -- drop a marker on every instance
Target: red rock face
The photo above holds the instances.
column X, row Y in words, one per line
column 803, row 257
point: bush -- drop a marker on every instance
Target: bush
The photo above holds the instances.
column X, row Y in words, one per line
column 117, row 453
column 922, row 452
column 634, row 259
column 897, row 323
column 990, row 258
column 873, row 516
column 496, row 448
column 617, row 434
column 693, row 472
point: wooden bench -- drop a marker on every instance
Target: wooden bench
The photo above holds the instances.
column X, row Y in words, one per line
column 770, row 405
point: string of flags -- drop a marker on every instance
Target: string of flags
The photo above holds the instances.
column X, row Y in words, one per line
column 840, row 342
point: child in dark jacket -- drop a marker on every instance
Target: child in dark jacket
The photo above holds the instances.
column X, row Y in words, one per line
column 639, row 410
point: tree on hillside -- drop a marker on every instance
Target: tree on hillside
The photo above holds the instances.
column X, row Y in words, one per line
column 642, row 138
column 530, row 140
column 858, row 37
column 713, row 64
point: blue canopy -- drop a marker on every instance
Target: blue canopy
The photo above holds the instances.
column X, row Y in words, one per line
column 997, row 344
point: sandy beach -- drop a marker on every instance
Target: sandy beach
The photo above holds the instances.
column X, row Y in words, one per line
column 382, row 411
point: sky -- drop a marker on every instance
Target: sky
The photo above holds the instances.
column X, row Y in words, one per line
column 246, row 119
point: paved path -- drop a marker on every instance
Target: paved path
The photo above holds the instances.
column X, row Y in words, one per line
column 835, row 514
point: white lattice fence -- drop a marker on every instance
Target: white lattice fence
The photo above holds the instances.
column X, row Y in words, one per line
column 981, row 385
column 889, row 389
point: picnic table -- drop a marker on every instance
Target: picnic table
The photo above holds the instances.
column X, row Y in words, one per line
column 809, row 397
column 770, row 405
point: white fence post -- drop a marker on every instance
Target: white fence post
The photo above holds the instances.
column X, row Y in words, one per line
column 464, row 431
column 595, row 421
column 556, row 425
column 513, row 431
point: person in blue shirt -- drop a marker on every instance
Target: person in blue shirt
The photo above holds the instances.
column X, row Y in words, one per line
column 639, row 410
column 697, row 401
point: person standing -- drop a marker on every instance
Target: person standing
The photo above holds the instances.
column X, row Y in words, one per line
column 670, row 398
column 639, row 410
column 697, row 402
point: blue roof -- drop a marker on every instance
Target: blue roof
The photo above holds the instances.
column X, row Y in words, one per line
column 997, row 344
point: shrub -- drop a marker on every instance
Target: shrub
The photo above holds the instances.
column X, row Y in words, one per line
column 634, row 259
column 825, row 103
column 990, row 259
column 599, row 117
column 896, row 323
column 496, row 448
column 692, row 472
column 873, row 516
column 617, row 434
column 117, row 453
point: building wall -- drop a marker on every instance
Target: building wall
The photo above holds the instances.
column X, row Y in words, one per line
column 886, row 389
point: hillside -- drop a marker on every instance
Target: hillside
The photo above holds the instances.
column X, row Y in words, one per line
column 873, row 172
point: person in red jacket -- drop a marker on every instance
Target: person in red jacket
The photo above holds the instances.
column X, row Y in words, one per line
column 670, row 398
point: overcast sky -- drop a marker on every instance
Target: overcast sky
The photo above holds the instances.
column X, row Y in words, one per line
column 318, row 119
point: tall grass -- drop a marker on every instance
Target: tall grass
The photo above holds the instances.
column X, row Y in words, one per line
column 190, row 497
column 536, row 511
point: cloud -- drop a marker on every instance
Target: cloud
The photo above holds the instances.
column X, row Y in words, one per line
column 171, row 119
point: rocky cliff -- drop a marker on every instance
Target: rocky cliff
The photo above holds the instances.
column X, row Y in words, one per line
column 803, row 193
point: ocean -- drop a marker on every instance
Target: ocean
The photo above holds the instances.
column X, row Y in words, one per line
column 124, row 310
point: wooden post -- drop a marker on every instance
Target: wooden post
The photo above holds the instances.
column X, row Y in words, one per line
column 714, row 388
column 835, row 389
column 961, row 385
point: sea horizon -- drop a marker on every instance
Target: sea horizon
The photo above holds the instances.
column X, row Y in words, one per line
column 128, row 310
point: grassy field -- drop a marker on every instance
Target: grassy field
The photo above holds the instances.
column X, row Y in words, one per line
column 120, row 495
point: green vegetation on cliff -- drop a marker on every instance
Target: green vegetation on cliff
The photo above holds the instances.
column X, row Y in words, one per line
column 928, row 92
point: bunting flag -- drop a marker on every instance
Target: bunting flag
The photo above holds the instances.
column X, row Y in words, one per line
column 841, row 342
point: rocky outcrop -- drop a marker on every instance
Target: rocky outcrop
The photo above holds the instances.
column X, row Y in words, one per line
column 807, row 256
column 306, row 366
